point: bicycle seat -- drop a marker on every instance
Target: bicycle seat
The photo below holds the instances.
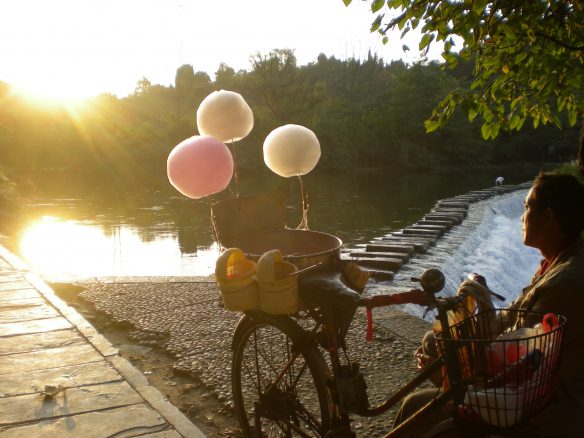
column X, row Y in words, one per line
column 327, row 289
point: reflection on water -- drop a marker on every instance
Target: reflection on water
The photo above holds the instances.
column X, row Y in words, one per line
column 77, row 232
column 67, row 249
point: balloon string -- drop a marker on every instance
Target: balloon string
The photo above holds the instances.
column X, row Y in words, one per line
column 214, row 225
column 235, row 175
column 304, row 224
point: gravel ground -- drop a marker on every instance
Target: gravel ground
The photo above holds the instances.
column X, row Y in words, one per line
column 174, row 330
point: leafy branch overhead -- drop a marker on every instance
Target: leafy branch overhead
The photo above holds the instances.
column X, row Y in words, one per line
column 527, row 57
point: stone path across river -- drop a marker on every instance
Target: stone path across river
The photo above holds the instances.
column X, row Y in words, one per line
column 385, row 255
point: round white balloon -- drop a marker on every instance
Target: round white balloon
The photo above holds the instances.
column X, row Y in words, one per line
column 224, row 115
column 291, row 150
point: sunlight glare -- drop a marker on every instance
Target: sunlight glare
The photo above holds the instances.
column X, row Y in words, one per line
column 64, row 250
column 53, row 247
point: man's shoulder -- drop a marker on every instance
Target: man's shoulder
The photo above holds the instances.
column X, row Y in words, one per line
column 569, row 273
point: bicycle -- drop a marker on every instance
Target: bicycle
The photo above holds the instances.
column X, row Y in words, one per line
column 283, row 386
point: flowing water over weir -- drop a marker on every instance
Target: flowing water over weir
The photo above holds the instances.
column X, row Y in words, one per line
column 476, row 232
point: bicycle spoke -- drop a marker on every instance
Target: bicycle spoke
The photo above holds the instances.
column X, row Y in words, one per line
column 278, row 380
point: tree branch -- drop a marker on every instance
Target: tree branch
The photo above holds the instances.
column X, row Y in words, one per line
column 560, row 43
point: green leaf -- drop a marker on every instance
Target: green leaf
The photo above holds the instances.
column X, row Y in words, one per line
column 514, row 121
column 572, row 117
column 472, row 114
column 376, row 23
column 479, row 6
column 486, row 131
column 347, row 2
column 377, row 5
column 431, row 125
column 426, row 40
column 520, row 57
column 495, row 130
column 515, row 102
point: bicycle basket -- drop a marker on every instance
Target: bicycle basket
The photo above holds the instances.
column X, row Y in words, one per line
column 508, row 375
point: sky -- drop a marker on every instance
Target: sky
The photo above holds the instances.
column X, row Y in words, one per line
column 81, row 48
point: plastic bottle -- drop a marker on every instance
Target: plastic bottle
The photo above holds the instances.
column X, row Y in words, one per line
column 520, row 371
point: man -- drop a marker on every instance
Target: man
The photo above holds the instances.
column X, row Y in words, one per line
column 553, row 222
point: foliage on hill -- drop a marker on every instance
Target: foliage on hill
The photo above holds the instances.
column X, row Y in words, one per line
column 365, row 113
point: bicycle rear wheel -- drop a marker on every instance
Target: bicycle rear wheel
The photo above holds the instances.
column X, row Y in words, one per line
column 279, row 389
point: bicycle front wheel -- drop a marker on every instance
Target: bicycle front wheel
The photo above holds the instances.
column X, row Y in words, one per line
column 279, row 383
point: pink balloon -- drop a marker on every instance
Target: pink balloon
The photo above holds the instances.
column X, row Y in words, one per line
column 200, row 166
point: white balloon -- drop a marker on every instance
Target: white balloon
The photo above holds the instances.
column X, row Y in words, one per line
column 291, row 150
column 224, row 115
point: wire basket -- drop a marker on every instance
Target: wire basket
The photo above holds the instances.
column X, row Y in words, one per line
column 508, row 374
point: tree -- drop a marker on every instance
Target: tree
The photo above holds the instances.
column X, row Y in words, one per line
column 288, row 92
column 528, row 58
column 190, row 89
column 143, row 86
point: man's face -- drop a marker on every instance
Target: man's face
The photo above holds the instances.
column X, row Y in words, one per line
column 533, row 221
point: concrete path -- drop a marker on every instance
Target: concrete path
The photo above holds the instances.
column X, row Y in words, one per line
column 60, row 378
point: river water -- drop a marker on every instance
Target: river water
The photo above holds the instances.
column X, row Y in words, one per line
column 77, row 230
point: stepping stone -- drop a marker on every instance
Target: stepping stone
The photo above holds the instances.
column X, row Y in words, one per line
column 419, row 226
column 443, row 223
column 459, row 211
column 420, row 246
column 410, row 240
column 447, row 216
column 368, row 254
column 467, row 198
column 387, row 264
column 421, row 232
column 406, row 249
column 453, row 204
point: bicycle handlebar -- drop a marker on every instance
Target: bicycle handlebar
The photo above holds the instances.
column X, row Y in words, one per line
column 415, row 296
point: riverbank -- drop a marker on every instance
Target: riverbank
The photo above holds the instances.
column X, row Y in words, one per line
column 173, row 330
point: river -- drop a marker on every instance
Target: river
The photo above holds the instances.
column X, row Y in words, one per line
column 74, row 230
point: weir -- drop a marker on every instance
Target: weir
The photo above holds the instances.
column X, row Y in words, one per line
column 487, row 241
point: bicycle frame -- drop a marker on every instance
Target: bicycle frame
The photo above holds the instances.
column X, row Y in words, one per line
column 325, row 334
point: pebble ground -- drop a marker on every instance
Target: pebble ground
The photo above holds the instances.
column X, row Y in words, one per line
column 183, row 316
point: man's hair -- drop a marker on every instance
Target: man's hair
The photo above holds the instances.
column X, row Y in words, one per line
column 564, row 195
